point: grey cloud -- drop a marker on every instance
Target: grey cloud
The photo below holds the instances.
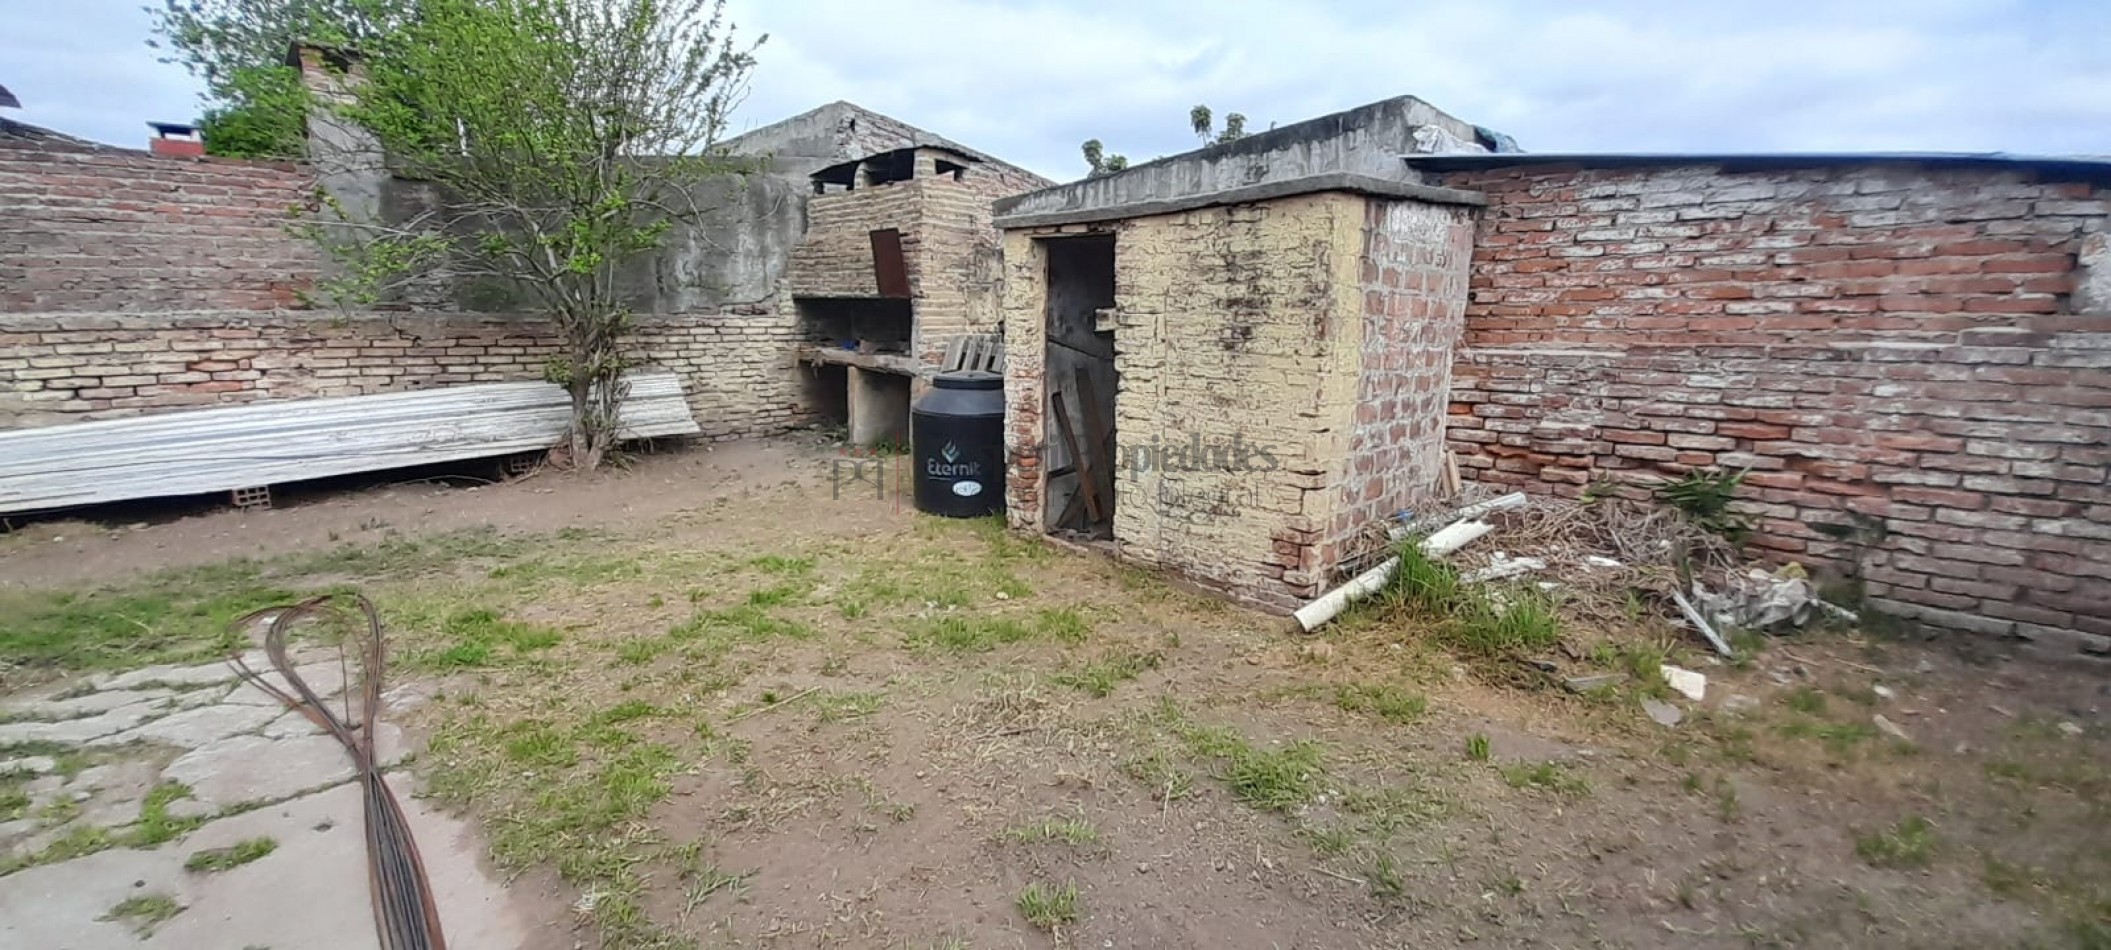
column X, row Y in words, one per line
column 1029, row 80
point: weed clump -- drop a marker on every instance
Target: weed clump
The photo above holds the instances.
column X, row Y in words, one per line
column 1479, row 619
column 1704, row 496
column 1908, row 844
column 1048, row 906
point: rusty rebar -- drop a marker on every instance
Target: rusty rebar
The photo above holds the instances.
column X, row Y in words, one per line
column 405, row 914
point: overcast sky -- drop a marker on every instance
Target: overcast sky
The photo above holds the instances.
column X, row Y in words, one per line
column 1027, row 80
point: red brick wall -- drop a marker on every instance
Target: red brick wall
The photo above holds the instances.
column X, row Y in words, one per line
column 1892, row 341
column 1414, row 275
column 111, row 229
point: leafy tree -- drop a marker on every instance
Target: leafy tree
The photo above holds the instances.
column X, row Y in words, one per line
column 1100, row 162
column 1199, row 118
column 566, row 137
column 238, row 49
column 264, row 119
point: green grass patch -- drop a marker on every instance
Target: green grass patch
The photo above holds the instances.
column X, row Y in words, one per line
column 640, row 651
column 1477, row 747
column 1276, row 779
column 1383, row 700
column 776, row 595
column 1908, row 844
column 144, row 912
column 1505, row 621
column 981, row 633
column 1383, row 878
column 182, row 615
column 1483, row 619
column 782, row 565
column 14, row 798
column 1061, row 623
column 169, row 617
column 716, row 631
column 477, row 637
column 1099, row 677
column 1839, row 738
column 213, row 860
column 1048, row 906
column 1546, row 776
column 538, row 744
column 79, row 841
column 1805, row 699
column 155, row 825
column 1329, row 840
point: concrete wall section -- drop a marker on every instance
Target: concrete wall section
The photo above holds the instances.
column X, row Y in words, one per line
column 1891, row 351
column 733, row 254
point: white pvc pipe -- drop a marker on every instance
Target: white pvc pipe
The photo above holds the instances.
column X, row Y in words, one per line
column 1330, row 605
column 1333, row 602
column 1515, row 499
column 1454, row 537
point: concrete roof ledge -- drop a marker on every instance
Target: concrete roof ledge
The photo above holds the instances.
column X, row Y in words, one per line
column 1309, row 184
column 1357, row 150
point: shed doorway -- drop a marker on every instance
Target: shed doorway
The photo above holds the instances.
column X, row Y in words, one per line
column 1080, row 382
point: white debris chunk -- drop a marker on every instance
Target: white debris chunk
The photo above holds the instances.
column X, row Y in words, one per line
column 1687, row 683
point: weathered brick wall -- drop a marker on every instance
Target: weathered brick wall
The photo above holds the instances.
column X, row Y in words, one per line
column 54, row 368
column 1414, row 276
column 108, row 229
column 834, row 259
column 949, row 249
column 1888, row 341
column 956, row 240
column 1238, row 341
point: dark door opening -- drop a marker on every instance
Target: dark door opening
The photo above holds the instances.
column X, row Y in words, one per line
column 1081, row 452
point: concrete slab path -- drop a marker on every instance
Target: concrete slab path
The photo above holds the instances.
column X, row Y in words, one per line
column 245, row 771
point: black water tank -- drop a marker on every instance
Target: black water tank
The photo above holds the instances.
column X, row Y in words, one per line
column 957, row 433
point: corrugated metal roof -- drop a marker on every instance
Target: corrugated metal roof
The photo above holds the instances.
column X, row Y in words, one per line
column 2081, row 166
column 208, row 450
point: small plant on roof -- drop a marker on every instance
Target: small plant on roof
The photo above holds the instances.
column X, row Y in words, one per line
column 1704, row 496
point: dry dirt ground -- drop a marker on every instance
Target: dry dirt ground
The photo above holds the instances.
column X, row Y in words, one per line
column 711, row 701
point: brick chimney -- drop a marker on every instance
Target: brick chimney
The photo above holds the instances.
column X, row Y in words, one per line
column 175, row 141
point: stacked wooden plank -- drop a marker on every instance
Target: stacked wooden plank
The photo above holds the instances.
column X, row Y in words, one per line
column 210, row 450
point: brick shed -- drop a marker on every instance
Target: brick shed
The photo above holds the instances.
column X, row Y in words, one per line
column 1248, row 346
column 1910, row 355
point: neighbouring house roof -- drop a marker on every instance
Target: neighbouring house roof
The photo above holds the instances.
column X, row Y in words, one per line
column 2089, row 166
column 23, row 133
column 844, row 131
column 8, row 99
